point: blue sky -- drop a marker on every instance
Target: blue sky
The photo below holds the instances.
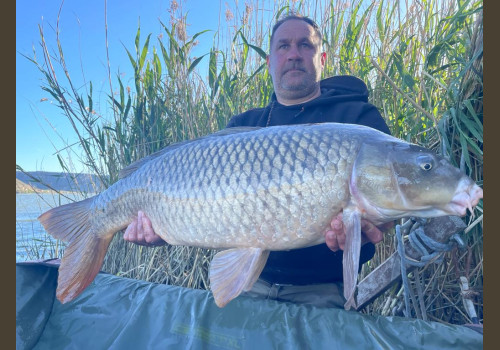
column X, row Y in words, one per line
column 40, row 126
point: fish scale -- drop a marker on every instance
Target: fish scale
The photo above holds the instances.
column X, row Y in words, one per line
column 251, row 190
column 232, row 188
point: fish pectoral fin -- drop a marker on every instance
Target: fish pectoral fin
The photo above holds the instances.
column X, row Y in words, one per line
column 235, row 270
column 352, row 224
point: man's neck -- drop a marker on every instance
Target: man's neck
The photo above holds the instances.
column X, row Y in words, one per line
column 289, row 102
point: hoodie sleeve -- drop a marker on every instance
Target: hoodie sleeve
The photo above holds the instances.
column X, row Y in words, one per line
column 252, row 117
column 346, row 101
column 236, row 120
column 370, row 116
column 352, row 112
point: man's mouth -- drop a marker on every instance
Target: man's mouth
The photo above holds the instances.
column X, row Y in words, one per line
column 293, row 70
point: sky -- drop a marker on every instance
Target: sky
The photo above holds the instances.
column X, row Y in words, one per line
column 41, row 128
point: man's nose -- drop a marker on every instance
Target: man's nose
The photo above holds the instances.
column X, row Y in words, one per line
column 294, row 54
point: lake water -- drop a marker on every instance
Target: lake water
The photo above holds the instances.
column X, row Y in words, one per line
column 32, row 242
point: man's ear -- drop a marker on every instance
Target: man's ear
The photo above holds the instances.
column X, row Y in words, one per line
column 267, row 61
column 323, row 59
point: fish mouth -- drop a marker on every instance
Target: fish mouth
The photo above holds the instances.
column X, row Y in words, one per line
column 466, row 196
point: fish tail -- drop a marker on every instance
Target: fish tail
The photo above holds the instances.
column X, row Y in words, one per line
column 86, row 248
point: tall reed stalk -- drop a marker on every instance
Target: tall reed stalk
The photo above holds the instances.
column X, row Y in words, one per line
column 422, row 62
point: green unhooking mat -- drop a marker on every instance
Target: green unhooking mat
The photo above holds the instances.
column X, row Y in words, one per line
column 121, row 313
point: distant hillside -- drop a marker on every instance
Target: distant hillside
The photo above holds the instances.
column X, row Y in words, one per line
column 21, row 187
column 57, row 181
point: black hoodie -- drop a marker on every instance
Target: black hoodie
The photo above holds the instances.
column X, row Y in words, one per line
column 343, row 99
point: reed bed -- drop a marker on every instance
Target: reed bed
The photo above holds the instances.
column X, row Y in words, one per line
column 421, row 60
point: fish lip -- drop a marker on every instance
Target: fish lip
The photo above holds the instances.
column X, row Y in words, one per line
column 466, row 196
column 457, row 207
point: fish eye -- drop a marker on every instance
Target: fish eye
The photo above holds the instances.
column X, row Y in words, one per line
column 425, row 162
column 426, row 166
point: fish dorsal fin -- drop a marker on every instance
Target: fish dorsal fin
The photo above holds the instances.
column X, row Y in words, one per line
column 351, row 218
column 132, row 167
column 233, row 130
column 233, row 271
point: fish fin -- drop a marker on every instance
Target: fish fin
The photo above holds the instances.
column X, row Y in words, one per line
column 352, row 224
column 139, row 163
column 235, row 130
column 132, row 167
column 85, row 252
column 235, row 270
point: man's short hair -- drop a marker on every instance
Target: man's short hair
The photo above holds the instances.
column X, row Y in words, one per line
column 300, row 18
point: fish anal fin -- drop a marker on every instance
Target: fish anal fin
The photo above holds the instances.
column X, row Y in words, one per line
column 233, row 271
column 352, row 225
column 85, row 251
column 81, row 262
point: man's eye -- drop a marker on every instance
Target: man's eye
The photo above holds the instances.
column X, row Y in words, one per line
column 283, row 46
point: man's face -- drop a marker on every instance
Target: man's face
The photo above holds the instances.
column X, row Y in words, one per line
column 295, row 61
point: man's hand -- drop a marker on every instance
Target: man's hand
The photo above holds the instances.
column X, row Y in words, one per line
column 141, row 232
column 335, row 238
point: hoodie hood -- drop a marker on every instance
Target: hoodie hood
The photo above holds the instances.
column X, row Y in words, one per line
column 344, row 85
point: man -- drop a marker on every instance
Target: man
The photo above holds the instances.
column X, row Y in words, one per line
column 310, row 275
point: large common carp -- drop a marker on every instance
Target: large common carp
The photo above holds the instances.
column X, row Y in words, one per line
column 252, row 190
